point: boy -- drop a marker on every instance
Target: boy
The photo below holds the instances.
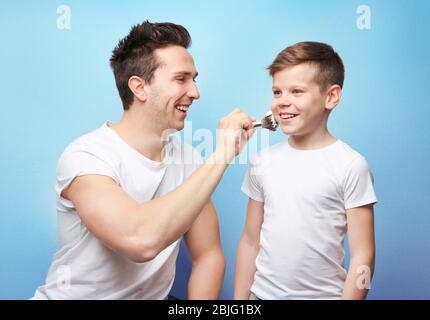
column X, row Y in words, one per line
column 305, row 193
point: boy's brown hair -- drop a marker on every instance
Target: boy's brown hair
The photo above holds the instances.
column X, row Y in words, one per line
column 330, row 66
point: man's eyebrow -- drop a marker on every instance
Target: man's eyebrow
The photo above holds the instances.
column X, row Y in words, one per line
column 186, row 73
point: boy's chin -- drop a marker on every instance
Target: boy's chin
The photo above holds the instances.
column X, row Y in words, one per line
column 288, row 130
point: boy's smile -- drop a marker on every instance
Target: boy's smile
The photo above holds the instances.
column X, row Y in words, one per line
column 287, row 117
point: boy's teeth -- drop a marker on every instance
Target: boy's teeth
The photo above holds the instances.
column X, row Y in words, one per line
column 288, row 116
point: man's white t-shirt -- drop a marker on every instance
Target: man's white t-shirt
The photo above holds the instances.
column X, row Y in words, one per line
column 83, row 267
column 306, row 194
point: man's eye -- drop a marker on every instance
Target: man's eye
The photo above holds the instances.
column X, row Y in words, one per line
column 180, row 79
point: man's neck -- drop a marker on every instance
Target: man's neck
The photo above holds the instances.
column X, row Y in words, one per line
column 140, row 133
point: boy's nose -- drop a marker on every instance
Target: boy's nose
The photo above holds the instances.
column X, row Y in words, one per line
column 283, row 104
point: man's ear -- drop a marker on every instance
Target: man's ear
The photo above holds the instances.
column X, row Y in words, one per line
column 334, row 93
column 137, row 86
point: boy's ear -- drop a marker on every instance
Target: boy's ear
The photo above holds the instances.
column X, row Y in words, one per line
column 137, row 85
column 334, row 93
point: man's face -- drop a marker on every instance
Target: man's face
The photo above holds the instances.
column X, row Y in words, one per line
column 173, row 88
column 298, row 104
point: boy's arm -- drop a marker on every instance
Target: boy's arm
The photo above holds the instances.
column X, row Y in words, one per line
column 362, row 252
column 247, row 252
column 208, row 262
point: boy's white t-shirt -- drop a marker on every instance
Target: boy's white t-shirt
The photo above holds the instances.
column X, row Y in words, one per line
column 306, row 194
column 83, row 267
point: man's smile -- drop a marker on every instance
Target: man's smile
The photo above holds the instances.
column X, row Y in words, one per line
column 182, row 107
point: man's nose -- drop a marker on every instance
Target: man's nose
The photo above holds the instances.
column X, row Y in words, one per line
column 193, row 93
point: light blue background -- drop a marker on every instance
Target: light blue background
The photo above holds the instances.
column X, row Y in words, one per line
column 56, row 85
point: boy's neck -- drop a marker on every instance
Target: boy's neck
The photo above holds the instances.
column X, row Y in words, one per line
column 314, row 140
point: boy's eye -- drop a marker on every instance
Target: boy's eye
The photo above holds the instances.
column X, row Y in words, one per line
column 276, row 92
column 297, row 91
column 180, row 79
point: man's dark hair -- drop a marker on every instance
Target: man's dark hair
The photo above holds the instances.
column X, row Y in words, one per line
column 134, row 54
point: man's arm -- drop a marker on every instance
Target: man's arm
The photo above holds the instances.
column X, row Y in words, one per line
column 141, row 231
column 208, row 262
column 362, row 252
column 247, row 252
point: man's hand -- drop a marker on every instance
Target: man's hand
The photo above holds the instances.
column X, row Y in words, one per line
column 234, row 131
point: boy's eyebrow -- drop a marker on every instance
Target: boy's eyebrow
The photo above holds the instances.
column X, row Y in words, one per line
column 302, row 85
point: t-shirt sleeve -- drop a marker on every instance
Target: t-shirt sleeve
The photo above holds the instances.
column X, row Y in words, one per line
column 252, row 185
column 358, row 185
column 79, row 162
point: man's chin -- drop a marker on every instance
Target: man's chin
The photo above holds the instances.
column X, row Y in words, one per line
column 179, row 127
column 171, row 130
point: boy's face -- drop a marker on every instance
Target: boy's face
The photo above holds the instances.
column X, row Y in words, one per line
column 298, row 105
column 173, row 88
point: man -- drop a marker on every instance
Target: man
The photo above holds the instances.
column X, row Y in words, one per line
column 128, row 192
